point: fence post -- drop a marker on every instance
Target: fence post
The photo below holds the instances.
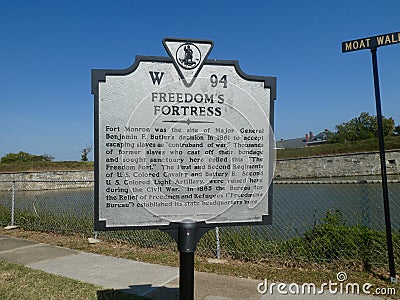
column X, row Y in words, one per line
column 12, row 203
column 218, row 242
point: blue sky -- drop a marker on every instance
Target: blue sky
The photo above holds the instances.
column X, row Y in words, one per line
column 48, row 48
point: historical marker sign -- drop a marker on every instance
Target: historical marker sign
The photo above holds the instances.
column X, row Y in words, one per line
column 182, row 138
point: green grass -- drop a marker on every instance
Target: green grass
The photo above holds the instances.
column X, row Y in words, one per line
column 391, row 143
column 41, row 166
column 19, row 282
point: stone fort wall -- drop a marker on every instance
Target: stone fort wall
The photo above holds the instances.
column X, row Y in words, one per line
column 358, row 164
column 47, row 180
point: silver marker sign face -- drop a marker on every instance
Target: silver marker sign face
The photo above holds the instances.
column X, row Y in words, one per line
column 182, row 139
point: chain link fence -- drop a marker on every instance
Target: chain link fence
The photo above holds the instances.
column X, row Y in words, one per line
column 322, row 222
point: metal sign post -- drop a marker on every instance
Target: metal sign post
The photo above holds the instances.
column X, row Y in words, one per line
column 183, row 144
column 187, row 237
column 373, row 43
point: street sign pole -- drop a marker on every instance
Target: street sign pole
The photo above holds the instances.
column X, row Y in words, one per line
column 373, row 43
column 388, row 225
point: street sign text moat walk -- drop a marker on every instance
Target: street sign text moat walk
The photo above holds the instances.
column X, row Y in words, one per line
column 183, row 144
column 373, row 43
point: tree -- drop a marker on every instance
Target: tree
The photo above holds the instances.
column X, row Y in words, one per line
column 361, row 128
column 396, row 130
column 25, row 157
column 43, row 157
column 85, row 152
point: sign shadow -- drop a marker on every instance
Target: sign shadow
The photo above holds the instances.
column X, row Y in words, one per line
column 146, row 290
